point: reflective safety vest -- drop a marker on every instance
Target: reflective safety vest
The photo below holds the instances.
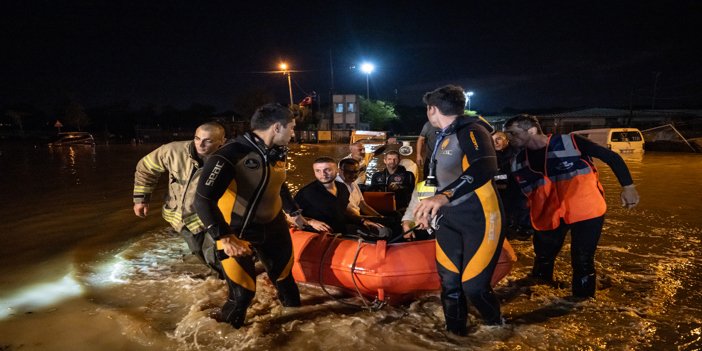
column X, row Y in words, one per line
column 424, row 191
column 568, row 189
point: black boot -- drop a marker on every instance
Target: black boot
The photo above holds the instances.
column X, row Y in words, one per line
column 456, row 326
column 288, row 292
column 584, row 285
column 234, row 310
column 543, row 268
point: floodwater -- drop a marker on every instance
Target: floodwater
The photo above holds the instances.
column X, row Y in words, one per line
column 79, row 271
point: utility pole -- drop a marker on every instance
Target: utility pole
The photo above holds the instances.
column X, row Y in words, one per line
column 655, row 83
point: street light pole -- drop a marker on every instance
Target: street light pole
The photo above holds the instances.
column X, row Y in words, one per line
column 468, row 95
column 286, row 72
column 368, row 68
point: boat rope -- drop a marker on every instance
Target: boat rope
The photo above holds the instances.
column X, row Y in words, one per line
column 375, row 305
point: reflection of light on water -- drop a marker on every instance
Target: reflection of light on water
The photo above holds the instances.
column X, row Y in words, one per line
column 115, row 270
column 40, row 295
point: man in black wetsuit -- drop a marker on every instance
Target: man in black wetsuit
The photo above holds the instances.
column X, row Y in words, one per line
column 469, row 235
column 240, row 198
column 558, row 175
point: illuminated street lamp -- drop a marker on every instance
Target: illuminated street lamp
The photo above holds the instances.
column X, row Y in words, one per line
column 468, row 94
column 284, row 67
column 368, row 68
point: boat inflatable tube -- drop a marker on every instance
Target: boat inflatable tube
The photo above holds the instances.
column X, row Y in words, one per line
column 389, row 272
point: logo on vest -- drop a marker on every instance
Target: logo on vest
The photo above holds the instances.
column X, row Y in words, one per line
column 467, row 178
column 214, row 174
column 565, row 165
column 252, row 164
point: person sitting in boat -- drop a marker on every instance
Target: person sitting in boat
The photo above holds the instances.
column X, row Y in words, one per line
column 326, row 202
column 348, row 172
column 358, row 153
column 394, row 178
column 421, row 231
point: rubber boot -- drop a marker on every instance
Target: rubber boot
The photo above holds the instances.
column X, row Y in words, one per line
column 543, row 268
column 288, row 292
column 456, row 326
column 584, row 285
column 456, row 312
column 234, row 312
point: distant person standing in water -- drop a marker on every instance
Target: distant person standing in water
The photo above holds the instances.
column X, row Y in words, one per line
column 558, row 175
column 513, row 200
column 427, row 139
column 183, row 161
column 358, row 153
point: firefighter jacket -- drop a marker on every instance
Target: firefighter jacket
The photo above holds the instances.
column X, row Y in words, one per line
column 179, row 159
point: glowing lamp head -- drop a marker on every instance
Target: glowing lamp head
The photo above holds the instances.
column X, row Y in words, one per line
column 367, row 67
column 283, row 66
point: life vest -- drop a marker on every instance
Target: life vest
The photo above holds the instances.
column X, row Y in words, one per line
column 569, row 189
column 424, row 191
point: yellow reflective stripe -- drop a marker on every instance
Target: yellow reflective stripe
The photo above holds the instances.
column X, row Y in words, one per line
column 443, row 260
column 425, row 191
column 236, row 273
column 143, row 189
column 288, row 268
column 152, row 165
column 192, row 218
column 171, row 217
column 493, row 226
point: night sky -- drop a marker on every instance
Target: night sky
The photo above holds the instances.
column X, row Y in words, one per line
column 518, row 54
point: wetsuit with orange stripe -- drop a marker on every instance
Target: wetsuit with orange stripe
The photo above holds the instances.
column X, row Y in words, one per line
column 242, row 192
column 469, row 237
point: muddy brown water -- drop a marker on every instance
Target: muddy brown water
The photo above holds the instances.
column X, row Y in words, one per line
column 79, row 271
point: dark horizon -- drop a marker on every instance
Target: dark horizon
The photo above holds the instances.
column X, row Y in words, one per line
column 510, row 54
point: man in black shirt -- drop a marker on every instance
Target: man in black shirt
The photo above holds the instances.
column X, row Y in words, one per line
column 326, row 202
column 557, row 174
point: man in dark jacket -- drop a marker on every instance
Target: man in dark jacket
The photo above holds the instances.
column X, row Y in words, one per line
column 394, row 178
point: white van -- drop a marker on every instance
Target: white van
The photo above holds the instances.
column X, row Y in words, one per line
column 621, row 140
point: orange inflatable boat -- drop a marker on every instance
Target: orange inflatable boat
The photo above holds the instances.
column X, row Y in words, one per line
column 389, row 272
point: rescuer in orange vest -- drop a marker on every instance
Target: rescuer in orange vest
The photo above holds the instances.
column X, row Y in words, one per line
column 557, row 174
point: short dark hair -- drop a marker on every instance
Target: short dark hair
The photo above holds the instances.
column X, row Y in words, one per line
column 392, row 152
column 348, row 161
column 524, row 122
column 448, row 99
column 270, row 114
column 324, row 159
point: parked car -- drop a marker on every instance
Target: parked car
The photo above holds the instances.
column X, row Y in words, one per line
column 73, row 138
column 621, row 140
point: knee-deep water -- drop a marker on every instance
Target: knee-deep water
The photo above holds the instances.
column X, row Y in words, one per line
column 78, row 270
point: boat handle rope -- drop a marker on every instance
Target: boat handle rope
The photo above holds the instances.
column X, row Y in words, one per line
column 376, row 305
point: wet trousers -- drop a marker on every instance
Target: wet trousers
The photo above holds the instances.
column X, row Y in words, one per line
column 273, row 247
column 202, row 246
column 469, row 241
column 584, row 236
